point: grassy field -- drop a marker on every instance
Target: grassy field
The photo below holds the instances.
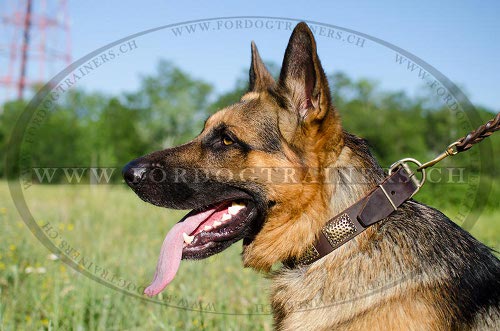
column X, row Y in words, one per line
column 118, row 238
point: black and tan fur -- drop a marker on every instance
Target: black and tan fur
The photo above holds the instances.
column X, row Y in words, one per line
column 415, row 270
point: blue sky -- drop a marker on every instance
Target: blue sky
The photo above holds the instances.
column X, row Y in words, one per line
column 459, row 39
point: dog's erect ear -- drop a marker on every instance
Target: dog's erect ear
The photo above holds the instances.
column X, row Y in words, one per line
column 302, row 78
column 260, row 78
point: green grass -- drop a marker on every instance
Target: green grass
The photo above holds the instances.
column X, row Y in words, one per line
column 114, row 230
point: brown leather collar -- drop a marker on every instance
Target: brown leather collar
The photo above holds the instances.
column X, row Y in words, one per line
column 375, row 206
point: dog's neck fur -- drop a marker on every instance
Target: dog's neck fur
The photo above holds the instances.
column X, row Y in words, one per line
column 354, row 173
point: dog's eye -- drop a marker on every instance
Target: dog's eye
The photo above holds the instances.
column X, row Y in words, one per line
column 226, row 140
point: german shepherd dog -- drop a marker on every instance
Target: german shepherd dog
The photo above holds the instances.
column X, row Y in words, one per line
column 271, row 170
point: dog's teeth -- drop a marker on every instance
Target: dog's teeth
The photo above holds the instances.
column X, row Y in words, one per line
column 207, row 228
column 217, row 223
column 187, row 239
column 226, row 217
column 235, row 208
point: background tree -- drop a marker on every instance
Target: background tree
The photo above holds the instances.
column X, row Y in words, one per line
column 172, row 106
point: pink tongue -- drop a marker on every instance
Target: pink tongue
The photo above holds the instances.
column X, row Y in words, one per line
column 171, row 252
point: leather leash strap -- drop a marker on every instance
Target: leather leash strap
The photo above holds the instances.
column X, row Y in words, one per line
column 479, row 134
column 377, row 205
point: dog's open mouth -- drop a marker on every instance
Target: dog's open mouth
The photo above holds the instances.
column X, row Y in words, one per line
column 201, row 233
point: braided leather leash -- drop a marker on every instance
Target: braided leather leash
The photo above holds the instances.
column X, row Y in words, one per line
column 479, row 134
column 466, row 142
column 383, row 200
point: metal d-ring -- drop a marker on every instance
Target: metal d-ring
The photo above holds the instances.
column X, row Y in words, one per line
column 404, row 163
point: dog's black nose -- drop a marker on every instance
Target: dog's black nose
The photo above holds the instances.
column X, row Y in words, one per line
column 134, row 172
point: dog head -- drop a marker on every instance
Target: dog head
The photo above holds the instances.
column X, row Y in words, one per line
column 256, row 171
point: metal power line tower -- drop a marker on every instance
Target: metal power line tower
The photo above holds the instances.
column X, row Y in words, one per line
column 35, row 43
